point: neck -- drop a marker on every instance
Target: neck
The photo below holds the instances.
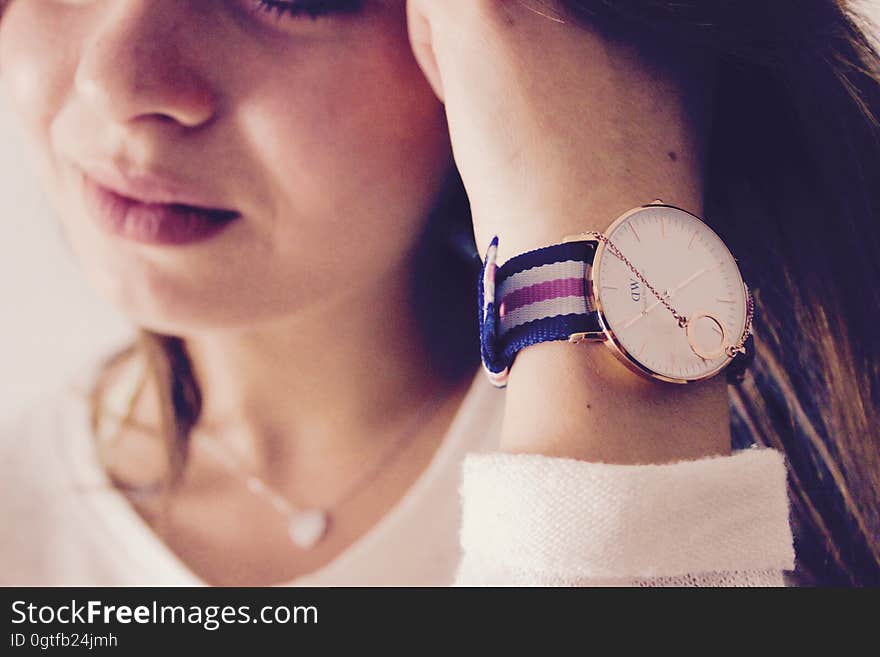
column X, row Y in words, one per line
column 334, row 381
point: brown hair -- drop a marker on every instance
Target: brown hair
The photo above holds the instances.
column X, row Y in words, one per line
column 793, row 186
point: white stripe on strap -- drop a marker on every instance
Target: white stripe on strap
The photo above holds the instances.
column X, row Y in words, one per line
column 565, row 269
column 540, row 309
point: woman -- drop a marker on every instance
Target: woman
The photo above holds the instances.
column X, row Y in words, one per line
column 270, row 190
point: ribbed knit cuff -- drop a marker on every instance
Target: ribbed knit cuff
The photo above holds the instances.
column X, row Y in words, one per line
column 569, row 518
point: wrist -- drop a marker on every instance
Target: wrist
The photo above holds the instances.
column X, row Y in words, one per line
column 575, row 401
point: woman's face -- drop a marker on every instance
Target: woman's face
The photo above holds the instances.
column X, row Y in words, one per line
column 322, row 134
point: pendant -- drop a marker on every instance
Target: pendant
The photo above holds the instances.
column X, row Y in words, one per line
column 308, row 527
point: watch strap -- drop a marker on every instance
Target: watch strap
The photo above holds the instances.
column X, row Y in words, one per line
column 534, row 297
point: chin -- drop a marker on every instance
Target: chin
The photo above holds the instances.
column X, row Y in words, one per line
column 172, row 305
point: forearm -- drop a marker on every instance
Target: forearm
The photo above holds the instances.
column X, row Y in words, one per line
column 579, row 401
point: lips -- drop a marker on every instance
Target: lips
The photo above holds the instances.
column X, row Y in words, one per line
column 150, row 187
column 149, row 210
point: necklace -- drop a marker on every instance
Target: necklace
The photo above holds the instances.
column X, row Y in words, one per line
column 306, row 526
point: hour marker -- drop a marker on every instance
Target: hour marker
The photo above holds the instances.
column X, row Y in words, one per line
column 720, row 300
column 633, row 229
column 693, row 237
column 663, row 227
column 610, row 287
column 641, row 347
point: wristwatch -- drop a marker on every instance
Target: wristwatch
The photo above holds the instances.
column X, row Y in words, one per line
column 659, row 288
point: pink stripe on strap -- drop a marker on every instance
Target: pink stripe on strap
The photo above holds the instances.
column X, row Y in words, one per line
column 558, row 287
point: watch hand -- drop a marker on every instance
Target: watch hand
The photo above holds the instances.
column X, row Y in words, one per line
column 632, row 321
column 690, row 279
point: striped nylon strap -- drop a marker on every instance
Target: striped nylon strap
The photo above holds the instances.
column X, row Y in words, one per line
column 533, row 297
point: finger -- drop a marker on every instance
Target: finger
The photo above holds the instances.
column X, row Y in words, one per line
column 422, row 45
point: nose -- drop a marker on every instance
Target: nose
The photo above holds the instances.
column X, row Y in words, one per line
column 141, row 59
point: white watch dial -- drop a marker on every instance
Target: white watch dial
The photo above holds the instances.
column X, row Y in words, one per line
column 691, row 267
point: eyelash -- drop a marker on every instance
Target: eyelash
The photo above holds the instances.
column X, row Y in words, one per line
column 314, row 9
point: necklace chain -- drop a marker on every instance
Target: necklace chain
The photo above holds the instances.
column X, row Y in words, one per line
column 260, row 488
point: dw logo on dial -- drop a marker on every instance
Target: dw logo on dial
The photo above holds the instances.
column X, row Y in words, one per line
column 635, row 290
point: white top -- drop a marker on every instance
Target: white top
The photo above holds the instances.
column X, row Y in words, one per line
column 475, row 516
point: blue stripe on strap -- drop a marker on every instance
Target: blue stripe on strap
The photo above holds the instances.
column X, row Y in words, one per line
column 582, row 250
column 558, row 327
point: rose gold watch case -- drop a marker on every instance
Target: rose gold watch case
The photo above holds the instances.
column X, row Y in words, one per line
column 594, row 301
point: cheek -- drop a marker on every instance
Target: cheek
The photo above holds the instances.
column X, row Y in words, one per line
column 37, row 63
column 360, row 145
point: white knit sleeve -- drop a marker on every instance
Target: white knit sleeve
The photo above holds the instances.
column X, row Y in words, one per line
column 551, row 521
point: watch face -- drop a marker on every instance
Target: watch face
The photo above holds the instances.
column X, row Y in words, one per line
column 688, row 264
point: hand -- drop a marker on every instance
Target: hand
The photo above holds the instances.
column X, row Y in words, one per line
column 542, row 121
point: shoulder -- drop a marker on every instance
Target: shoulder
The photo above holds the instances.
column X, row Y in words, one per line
column 26, row 437
column 31, row 436
column 44, row 456
column 32, row 483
